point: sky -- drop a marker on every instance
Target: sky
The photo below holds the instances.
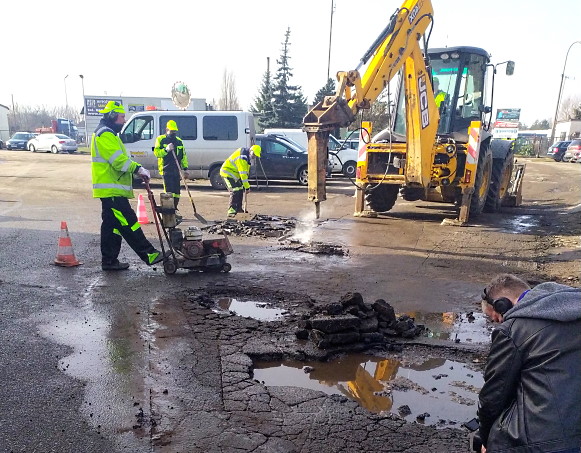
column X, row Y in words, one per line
column 131, row 48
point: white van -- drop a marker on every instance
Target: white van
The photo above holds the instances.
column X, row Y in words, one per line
column 209, row 138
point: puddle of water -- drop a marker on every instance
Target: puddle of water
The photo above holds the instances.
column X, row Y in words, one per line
column 463, row 328
column 250, row 309
column 445, row 389
column 522, row 224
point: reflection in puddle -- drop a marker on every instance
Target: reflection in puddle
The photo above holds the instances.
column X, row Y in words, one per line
column 462, row 328
column 522, row 224
column 249, row 309
column 444, row 389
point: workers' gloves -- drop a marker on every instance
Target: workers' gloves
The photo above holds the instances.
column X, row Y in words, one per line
column 144, row 173
column 169, row 148
column 186, row 174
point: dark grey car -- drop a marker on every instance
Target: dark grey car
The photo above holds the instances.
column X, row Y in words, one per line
column 19, row 140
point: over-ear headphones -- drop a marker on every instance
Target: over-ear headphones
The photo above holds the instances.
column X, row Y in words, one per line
column 500, row 305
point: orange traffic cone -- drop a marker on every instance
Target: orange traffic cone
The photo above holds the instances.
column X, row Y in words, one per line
column 141, row 211
column 65, row 255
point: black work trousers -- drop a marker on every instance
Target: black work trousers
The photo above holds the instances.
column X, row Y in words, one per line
column 236, row 193
column 172, row 183
column 120, row 221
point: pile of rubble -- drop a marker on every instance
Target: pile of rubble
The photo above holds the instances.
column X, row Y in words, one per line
column 351, row 321
column 258, row 225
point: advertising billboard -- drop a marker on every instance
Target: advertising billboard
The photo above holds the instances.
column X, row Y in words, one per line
column 508, row 114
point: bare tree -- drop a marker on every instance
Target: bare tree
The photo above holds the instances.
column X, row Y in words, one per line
column 569, row 108
column 228, row 98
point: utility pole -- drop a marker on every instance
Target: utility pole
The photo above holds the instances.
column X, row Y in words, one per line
column 560, row 92
column 330, row 39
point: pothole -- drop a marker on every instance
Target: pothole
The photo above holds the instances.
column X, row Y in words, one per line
column 471, row 327
column 435, row 391
column 261, row 311
column 292, row 234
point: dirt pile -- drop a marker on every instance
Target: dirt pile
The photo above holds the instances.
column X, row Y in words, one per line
column 351, row 321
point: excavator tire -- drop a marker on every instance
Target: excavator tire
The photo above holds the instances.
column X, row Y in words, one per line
column 382, row 198
column 499, row 183
column 482, row 182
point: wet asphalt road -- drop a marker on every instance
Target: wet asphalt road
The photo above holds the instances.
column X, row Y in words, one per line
column 86, row 359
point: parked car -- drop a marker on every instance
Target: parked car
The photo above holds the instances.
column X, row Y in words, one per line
column 573, row 153
column 53, row 143
column 281, row 158
column 558, row 150
column 343, row 156
column 19, row 140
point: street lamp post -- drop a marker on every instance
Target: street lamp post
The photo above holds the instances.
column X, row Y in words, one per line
column 560, row 92
column 84, row 106
column 66, row 97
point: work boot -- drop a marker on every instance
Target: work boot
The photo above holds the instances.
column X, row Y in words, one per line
column 115, row 266
column 179, row 218
column 157, row 257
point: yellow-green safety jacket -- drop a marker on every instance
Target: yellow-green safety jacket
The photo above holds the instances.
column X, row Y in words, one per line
column 440, row 97
column 237, row 166
column 111, row 165
column 165, row 161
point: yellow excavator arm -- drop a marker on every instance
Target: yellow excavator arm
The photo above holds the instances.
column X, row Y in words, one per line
column 396, row 47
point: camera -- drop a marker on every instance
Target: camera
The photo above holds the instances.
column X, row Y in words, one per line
column 474, row 436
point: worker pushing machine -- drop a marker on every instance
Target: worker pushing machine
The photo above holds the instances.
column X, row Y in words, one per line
column 235, row 172
column 165, row 147
column 112, row 173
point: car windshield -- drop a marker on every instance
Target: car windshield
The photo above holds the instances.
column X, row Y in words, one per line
column 62, row 136
column 21, row 136
column 292, row 144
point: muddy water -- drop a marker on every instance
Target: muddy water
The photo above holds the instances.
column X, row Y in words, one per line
column 442, row 390
column 457, row 327
column 249, row 309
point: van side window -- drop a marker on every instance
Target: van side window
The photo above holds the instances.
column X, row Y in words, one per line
column 187, row 126
column 220, row 128
column 140, row 128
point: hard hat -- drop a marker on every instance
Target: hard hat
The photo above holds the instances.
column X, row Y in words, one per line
column 113, row 106
column 256, row 150
column 171, row 126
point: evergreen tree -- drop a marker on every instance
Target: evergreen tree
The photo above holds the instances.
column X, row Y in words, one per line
column 263, row 107
column 327, row 90
column 290, row 106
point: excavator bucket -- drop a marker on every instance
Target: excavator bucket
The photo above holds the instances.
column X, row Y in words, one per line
column 514, row 195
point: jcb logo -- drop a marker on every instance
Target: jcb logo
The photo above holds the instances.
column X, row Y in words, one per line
column 414, row 12
column 422, row 88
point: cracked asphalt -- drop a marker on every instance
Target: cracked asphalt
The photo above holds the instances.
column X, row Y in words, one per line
column 131, row 361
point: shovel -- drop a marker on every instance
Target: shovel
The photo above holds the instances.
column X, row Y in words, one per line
column 196, row 215
column 244, row 215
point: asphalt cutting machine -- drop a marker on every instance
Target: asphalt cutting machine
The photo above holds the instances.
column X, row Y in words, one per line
column 187, row 248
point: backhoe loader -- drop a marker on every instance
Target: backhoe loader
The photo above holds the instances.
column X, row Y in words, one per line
column 438, row 146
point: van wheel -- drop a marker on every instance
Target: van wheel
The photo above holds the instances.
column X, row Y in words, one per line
column 216, row 180
column 350, row 168
column 303, row 176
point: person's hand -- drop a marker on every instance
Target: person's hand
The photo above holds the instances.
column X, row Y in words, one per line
column 169, row 147
column 247, row 190
column 144, row 173
column 482, row 449
column 186, row 174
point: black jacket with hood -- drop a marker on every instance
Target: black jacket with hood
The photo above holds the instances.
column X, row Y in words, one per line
column 531, row 398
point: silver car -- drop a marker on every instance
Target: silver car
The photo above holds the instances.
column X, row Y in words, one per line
column 54, row 143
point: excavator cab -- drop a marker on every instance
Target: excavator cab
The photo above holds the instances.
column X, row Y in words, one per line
column 458, row 81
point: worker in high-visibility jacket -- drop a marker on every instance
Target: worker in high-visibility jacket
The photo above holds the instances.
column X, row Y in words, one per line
column 113, row 171
column 165, row 147
column 235, row 172
column 439, row 95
